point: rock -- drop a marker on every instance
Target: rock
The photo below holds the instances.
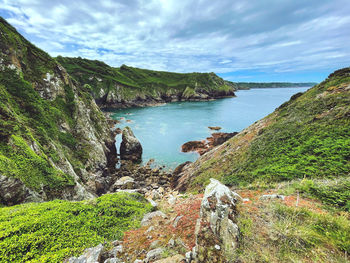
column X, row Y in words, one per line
column 172, row 200
column 155, row 244
column 174, row 259
column 113, row 260
column 126, row 182
column 150, row 229
column 149, row 216
column 154, row 254
column 272, row 196
column 216, row 227
column 192, row 146
column 176, row 221
column 188, row 256
column 218, row 138
column 215, row 128
column 138, row 261
column 171, row 242
column 130, row 147
column 91, row 255
column 13, row 191
column 153, row 203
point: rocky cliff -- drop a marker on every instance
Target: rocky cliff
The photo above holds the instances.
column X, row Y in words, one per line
column 306, row 137
column 54, row 139
column 128, row 86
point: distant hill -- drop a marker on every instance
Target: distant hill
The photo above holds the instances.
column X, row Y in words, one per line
column 265, row 85
column 128, row 86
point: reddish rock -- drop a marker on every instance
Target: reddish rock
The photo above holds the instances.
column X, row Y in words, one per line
column 204, row 146
column 215, row 128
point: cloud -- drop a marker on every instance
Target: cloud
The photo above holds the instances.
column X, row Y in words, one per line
column 221, row 36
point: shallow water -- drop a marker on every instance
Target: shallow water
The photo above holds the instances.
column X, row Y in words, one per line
column 163, row 129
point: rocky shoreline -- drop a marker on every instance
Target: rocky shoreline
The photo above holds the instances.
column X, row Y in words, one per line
column 105, row 104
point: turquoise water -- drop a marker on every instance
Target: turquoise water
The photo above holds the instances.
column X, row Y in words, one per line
column 163, row 129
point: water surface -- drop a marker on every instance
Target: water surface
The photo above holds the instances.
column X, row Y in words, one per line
column 163, row 129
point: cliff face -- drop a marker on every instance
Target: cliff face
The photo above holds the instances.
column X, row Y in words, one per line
column 54, row 138
column 306, row 137
column 128, row 86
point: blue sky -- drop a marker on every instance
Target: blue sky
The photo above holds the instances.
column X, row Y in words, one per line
column 256, row 40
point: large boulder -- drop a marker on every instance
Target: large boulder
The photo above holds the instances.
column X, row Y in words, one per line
column 130, row 148
column 216, row 229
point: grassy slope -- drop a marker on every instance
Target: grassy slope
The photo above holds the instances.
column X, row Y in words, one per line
column 52, row 231
column 306, row 137
column 140, row 82
column 27, row 119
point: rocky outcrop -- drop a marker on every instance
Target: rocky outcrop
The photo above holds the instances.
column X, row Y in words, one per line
column 13, row 191
column 130, row 148
column 204, row 146
column 216, row 229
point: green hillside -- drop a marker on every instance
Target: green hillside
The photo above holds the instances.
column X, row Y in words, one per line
column 306, row 137
column 134, row 86
column 49, row 129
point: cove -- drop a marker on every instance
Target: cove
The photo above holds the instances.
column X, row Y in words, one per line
column 163, row 129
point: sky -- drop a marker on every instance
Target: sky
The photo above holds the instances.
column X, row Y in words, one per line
column 255, row 40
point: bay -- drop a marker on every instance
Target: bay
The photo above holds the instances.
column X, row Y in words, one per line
column 163, row 129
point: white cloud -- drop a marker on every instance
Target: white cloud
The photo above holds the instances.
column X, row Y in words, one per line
column 221, row 36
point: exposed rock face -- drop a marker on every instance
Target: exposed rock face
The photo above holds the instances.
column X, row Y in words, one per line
column 218, row 138
column 216, row 230
column 130, row 148
column 13, row 191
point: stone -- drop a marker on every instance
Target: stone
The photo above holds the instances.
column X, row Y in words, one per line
column 126, row 182
column 130, row 147
column 91, row 255
column 174, row 259
column 176, row 221
column 216, row 227
column 13, row 191
column 113, row 260
column 153, row 203
column 154, row 254
column 155, row 244
column 272, row 196
column 172, row 200
column 215, row 128
column 146, row 221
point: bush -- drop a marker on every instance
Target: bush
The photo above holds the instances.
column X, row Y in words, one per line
column 52, row 231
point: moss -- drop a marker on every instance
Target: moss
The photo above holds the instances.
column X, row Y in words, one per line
column 52, row 231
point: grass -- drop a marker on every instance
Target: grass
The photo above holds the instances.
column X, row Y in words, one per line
column 53, row 231
column 274, row 232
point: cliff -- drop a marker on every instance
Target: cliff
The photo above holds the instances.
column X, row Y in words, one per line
column 306, row 137
column 54, row 139
column 128, row 86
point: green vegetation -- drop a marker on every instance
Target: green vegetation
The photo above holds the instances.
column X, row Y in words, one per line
column 306, row 137
column 52, row 231
column 33, row 111
column 334, row 193
column 278, row 233
column 265, row 85
column 133, row 83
